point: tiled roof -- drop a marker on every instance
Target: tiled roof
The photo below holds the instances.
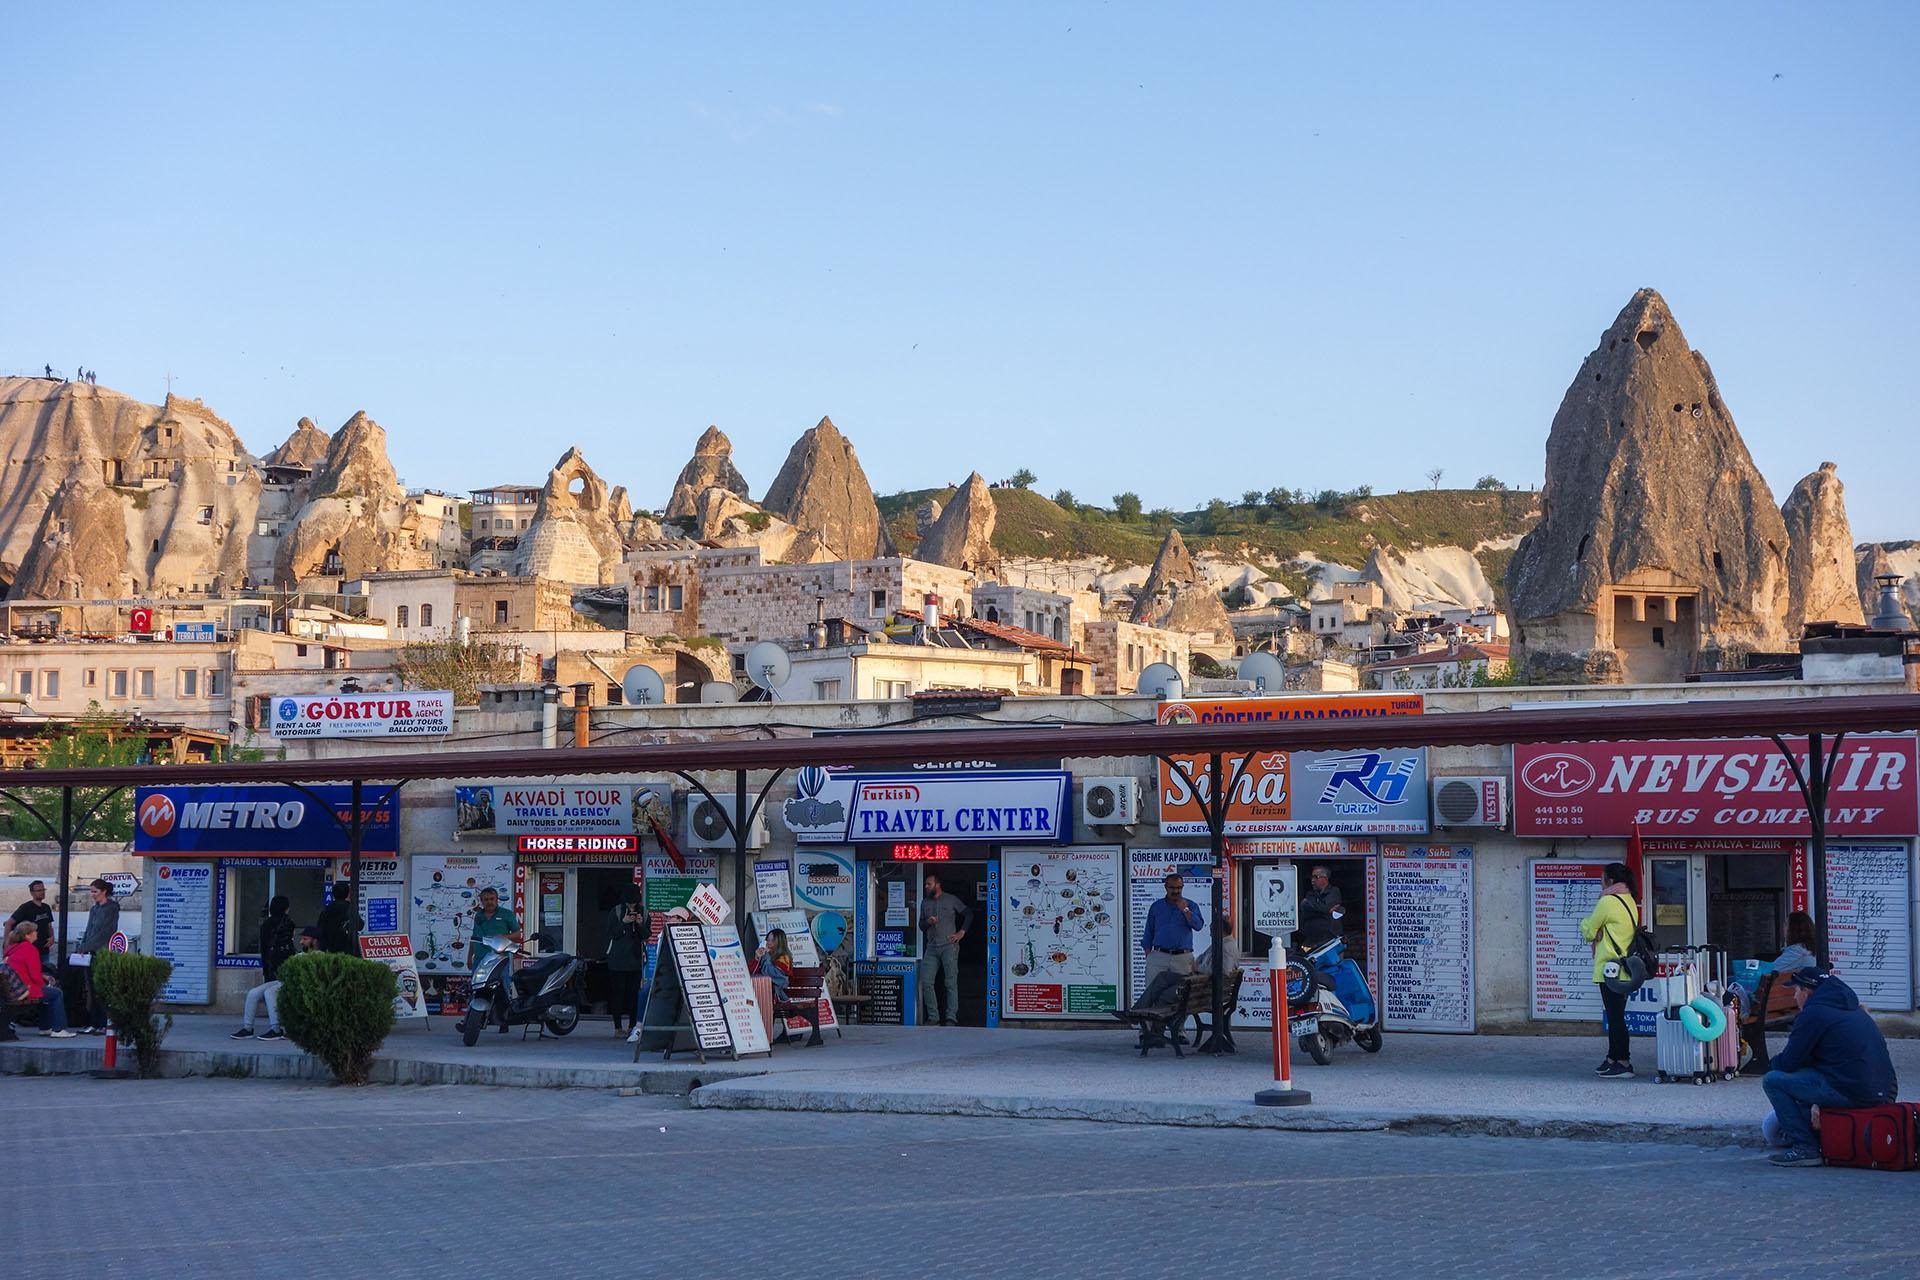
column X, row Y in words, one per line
column 1019, row 637
column 1447, row 657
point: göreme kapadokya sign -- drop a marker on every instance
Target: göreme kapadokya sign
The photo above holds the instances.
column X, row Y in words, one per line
column 1712, row 787
column 415, row 713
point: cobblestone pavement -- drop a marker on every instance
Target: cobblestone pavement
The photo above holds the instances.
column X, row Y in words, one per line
column 213, row 1178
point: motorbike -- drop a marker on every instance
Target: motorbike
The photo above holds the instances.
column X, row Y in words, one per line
column 549, row 991
column 1329, row 1002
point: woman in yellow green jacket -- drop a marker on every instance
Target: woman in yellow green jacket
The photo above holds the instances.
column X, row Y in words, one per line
column 1610, row 928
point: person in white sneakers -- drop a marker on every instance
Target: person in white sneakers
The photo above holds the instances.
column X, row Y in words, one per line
column 23, row 957
column 276, row 948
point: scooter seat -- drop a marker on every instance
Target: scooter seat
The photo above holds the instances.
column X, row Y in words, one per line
column 541, row 968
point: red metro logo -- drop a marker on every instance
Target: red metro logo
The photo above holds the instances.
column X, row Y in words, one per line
column 157, row 815
column 1558, row 776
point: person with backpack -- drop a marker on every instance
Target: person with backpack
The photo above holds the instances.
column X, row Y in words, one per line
column 276, row 948
column 1836, row 1057
column 1613, row 928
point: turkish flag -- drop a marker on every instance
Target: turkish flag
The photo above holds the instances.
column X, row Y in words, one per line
column 140, row 621
column 1636, row 854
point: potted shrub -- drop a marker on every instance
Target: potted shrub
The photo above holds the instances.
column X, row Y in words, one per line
column 338, row 1008
column 128, row 984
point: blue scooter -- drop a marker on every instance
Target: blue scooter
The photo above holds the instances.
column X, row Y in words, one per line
column 1329, row 1001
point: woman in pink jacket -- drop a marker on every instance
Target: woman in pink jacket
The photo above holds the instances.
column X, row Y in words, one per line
column 23, row 957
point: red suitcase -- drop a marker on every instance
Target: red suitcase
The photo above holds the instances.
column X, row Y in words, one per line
column 1884, row 1137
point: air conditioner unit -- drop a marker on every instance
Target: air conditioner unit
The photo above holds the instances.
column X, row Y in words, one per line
column 1478, row 800
column 1110, row 802
column 707, row 826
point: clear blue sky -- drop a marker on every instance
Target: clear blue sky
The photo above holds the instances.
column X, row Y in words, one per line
column 1180, row 249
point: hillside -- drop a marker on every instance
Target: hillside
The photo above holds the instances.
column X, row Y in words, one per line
column 1340, row 528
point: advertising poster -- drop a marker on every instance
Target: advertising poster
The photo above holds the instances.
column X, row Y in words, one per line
column 823, row 880
column 1062, row 917
column 799, row 937
column 772, row 886
column 1147, row 870
column 395, row 951
column 699, row 988
column 734, row 981
column 1426, row 910
column 183, row 929
column 666, row 886
column 383, row 891
column 446, row 893
column 1308, row 793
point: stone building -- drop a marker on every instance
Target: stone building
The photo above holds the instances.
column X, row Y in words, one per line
column 1046, row 612
column 500, row 514
column 497, row 602
column 1122, row 650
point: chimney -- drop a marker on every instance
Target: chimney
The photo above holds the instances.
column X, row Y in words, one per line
column 582, row 709
column 1910, row 665
column 817, row 633
column 931, row 603
column 1889, row 613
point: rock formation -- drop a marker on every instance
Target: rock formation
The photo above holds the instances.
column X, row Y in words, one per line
column 305, row 448
column 356, row 519
column 962, row 536
column 79, row 550
column 1649, row 489
column 1821, row 585
column 576, row 534
column 822, row 490
column 925, row 516
column 1430, row 578
column 711, row 467
column 1178, row 597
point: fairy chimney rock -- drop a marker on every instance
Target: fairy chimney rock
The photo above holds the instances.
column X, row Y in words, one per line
column 962, row 535
column 1176, row 595
column 305, row 448
column 575, row 535
column 822, row 490
column 711, row 467
column 1821, row 585
column 1657, row 535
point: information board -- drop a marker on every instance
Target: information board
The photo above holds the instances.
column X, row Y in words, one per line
column 1062, row 920
column 773, row 885
column 1426, row 914
column 395, row 951
column 799, row 936
column 1147, row 870
column 1870, row 926
column 183, row 929
column 734, row 979
column 699, row 991
column 446, row 893
column 383, row 889
column 888, row 991
column 1560, row 961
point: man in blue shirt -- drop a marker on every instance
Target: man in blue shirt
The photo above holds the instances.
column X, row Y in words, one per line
column 1168, row 937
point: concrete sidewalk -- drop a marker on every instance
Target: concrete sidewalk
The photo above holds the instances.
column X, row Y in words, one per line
column 1540, row 1086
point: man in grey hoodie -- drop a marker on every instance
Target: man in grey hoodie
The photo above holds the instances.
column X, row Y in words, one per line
column 103, row 921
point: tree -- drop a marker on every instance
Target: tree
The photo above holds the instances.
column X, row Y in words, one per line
column 1433, row 477
column 1218, row 513
column 1064, row 500
column 463, row 668
column 96, row 740
column 1490, row 484
column 1251, row 498
column 1023, row 479
column 1161, row 517
column 1279, row 497
column 1127, row 506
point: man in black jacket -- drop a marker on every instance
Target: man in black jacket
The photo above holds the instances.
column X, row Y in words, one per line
column 276, row 948
column 103, row 921
column 36, row 910
column 1836, row 1057
column 339, row 923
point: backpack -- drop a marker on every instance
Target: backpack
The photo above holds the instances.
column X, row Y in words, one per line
column 276, row 944
column 1639, row 962
column 13, row 987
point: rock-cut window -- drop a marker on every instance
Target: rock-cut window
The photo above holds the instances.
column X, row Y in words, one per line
column 426, row 615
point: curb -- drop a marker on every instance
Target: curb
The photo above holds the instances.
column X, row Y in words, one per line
column 758, row 1097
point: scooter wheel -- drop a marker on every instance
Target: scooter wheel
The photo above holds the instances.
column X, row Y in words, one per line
column 1317, row 1047
column 470, row 1029
column 1368, row 1038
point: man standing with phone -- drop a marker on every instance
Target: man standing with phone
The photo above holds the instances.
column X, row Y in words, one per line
column 943, row 922
column 1168, row 937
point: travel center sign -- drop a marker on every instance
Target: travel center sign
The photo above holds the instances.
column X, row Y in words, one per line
column 1729, row 787
column 1298, row 792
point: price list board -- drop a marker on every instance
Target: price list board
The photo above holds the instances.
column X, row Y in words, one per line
column 1562, row 895
column 888, row 993
column 1869, row 896
column 1426, row 913
column 687, row 944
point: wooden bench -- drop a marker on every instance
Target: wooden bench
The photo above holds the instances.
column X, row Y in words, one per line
column 850, row 1006
column 804, row 990
column 1192, row 999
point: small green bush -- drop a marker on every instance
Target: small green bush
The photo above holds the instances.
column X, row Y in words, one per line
column 338, row 1008
column 128, row 984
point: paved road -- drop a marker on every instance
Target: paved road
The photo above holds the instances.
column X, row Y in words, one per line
column 249, row 1178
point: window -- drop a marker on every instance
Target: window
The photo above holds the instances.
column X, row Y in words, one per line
column 143, row 682
column 206, row 515
column 676, row 598
column 90, row 678
column 400, row 616
column 50, row 683
column 299, row 651
column 826, row 690
column 189, row 683
column 250, row 889
column 499, row 613
column 887, row 690
column 653, row 600
column 23, row 684
column 615, row 695
column 216, row 683
column 117, row 685
column 426, row 615
column 877, row 607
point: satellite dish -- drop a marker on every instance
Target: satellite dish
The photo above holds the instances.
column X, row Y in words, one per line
column 1161, row 680
column 643, row 687
column 1265, row 670
column 768, row 665
column 719, row 691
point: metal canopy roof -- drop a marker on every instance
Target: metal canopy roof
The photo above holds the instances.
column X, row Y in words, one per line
column 1713, row 718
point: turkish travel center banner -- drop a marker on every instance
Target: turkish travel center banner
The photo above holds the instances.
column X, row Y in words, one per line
column 263, row 820
column 834, row 807
column 1299, row 792
column 1710, row 787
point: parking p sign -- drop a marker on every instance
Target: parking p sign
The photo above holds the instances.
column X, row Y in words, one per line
column 1276, row 898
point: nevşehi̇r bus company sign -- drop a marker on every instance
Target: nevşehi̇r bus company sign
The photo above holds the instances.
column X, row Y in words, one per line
column 414, row 714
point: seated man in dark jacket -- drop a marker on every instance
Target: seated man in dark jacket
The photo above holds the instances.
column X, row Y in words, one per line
column 1836, row 1057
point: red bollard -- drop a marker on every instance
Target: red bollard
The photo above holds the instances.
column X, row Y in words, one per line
column 1282, row 1094
column 110, row 1051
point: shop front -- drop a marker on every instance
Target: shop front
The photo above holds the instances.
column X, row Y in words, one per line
column 1720, row 830
column 1044, row 939
column 221, row 854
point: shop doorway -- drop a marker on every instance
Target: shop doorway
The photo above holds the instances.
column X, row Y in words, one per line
column 570, row 911
column 1355, row 879
column 896, row 892
column 1735, row 902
